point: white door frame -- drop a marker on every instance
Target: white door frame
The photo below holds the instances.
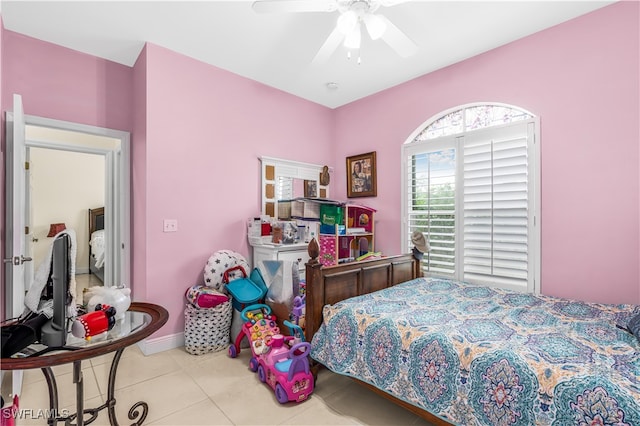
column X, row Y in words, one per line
column 117, row 179
column 117, row 191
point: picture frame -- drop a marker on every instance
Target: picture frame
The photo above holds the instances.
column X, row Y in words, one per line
column 361, row 175
column 310, row 189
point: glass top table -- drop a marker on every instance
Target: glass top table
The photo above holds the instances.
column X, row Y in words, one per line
column 140, row 321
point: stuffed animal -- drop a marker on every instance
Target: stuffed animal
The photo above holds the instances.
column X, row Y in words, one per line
column 118, row 298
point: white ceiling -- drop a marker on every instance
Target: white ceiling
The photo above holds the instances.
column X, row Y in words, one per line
column 277, row 49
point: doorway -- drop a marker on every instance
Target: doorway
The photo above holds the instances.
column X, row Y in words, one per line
column 112, row 148
column 63, row 185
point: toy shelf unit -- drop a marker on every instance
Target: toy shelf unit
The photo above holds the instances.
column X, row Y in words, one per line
column 346, row 233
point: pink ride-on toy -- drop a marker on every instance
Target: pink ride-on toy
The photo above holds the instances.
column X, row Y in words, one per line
column 283, row 367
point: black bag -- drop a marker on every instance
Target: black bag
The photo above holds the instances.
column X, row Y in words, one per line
column 19, row 335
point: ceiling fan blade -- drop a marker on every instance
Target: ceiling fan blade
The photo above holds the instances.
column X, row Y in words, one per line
column 398, row 40
column 330, row 45
column 279, row 6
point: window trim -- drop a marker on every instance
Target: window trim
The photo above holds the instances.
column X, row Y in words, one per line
column 410, row 146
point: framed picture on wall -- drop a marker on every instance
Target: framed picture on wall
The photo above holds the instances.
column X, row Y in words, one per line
column 310, row 188
column 361, row 175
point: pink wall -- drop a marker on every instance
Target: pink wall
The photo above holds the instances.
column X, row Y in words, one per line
column 205, row 129
column 581, row 79
column 56, row 82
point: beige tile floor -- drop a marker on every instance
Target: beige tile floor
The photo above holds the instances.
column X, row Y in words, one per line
column 210, row 389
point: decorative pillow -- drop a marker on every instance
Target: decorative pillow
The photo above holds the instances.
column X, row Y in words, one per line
column 218, row 263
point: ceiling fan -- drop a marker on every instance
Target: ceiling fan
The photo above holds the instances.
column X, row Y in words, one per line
column 353, row 15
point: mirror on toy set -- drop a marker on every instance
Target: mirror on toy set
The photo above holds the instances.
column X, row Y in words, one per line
column 285, row 180
column 289, row 188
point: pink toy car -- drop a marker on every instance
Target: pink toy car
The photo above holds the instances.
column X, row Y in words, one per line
column 284, row 368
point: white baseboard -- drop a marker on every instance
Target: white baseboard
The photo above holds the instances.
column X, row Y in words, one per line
column 80, row 271
column 160, row 344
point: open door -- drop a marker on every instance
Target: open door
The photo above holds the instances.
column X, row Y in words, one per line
column 16, row 178
column 15, row 231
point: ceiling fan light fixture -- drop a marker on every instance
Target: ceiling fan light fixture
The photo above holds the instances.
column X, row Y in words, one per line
column 375, row 26
column 352, row 40
column 347, row 22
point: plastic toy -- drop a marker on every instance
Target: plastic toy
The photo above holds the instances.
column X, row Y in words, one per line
column 246, row 290
column 295, row 331
column 298, row 310
column 281, row 361
column 259, row 325
column 201, row 296
column 94, row 323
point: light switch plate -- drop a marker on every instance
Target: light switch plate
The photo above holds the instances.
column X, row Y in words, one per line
column 170, row 225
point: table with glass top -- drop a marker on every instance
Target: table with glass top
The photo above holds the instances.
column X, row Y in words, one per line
column 140, row 321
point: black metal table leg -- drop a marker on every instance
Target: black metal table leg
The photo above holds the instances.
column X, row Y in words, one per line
column 53, row 395
column 137, row 411
column 78, row 380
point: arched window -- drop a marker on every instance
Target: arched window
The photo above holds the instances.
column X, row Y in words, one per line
column 470, row 185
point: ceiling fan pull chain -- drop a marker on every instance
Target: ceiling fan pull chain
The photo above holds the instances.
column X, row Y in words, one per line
column 359, row 60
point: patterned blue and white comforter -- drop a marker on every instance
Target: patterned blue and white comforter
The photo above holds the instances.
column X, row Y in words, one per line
column 485, row 356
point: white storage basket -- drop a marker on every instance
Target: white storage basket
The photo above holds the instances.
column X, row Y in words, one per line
column 207, row 329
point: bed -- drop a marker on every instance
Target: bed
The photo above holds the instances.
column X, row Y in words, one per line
column 456, row 353
column 96, row 242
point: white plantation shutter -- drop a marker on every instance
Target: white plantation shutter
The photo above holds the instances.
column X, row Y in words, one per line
column 474, row 196
column 496, row 206
column 431, row 204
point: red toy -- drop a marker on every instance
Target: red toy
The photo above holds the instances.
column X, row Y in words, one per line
column 94, row 323
column 279, row 361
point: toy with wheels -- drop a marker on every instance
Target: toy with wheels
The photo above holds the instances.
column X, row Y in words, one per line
column 280, row 361
column 295, row 331
column 286, row 370
column 258, row 327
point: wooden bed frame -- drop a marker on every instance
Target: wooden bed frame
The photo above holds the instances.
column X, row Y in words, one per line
column 331, row 284
column 96, row 222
